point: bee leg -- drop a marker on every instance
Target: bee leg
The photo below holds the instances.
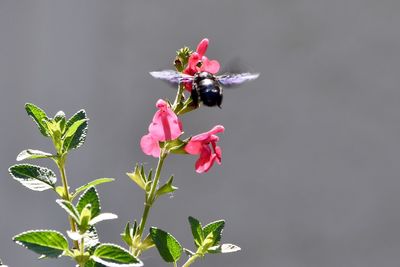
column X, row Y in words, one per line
column 195, row 97
column 219, row 101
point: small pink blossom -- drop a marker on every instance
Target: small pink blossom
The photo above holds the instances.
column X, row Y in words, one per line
column 205, row 145
column 198, row 62
column 164, row 127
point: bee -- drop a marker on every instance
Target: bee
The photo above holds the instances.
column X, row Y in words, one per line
column 206, row 87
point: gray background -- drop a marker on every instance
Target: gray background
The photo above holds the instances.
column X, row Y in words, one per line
column 311, row 163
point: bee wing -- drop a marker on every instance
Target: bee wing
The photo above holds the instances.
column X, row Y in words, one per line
column 171, row 76
column 232, row 79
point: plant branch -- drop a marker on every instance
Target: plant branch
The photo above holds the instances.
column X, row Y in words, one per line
column 191, row 260
column 61, row 166
column 150, row 197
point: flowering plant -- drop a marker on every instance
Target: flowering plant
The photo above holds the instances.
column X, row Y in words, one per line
column 82, row 205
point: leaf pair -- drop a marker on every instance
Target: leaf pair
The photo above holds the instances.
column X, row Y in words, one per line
column 207, row 238
column 87, row 211
column 52, row 244
column 66, row 135
column 144, row 181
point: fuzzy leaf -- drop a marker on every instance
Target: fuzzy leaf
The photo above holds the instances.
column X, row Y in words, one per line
column 47, row 243
column 103, row 217
column 91, row 197
column 90, row 184
column 213, row 230
column 168, row 247
column 69, row 208
column 224, row 248
column 128, row 234
column 78, row 138
column 114, row 256
column 197, row 231
column 38, row 115
column 74, row 127
column 91, row 239
column 32, row 154
column 33, row 177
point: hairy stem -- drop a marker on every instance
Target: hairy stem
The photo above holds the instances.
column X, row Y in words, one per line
column 61, row 166
column 191, row 260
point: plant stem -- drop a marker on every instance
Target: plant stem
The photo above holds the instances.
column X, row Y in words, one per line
column 191, row 260
column 150, row 197
column 178, row 97
column 61, row 166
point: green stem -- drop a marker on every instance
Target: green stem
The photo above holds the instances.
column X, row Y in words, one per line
column 61, row 166
column 191, row 260
column 178, row 97
column 150, row 197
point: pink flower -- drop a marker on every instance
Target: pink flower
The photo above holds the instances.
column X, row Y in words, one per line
column 198, row 62
column 205, row 145
column 164, row 127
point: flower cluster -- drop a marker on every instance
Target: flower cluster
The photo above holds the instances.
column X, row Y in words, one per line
column 166, row 125
column 198, row 62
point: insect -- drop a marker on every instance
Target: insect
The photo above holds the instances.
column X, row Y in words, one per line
column 206, row 87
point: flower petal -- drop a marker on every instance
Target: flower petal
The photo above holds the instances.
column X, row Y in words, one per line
column 211, row 66
column 150, row 146
column 194, row 147
column 202, row 47
column 205, row 161
column 207, row 135
column 165, row 125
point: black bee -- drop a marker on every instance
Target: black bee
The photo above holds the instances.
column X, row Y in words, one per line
column 206, row 87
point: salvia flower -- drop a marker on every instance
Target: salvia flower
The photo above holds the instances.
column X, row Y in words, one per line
column 165, row 126
column 198, row 62
column 205, row 145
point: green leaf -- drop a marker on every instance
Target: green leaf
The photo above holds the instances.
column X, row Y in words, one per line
column 147, row 243
column 47, row 243
column 79, row 136
column 91, row 263
column 114, row 256
column 138, row 177
column 69, row 208
column 33, row 177
column 38, row 115
column 85, row 217
column 127, row 234
column 60, row 119
column 176, row 146
column 91, row 197
column 213, row 230
column 74, row 127
column 167, row 187
column 197, row 231
column 90, row 184
column 33, row 154
column 168, row 247
column 224, row 248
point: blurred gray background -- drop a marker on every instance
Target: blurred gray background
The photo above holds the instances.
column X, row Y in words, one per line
column 311, row 153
